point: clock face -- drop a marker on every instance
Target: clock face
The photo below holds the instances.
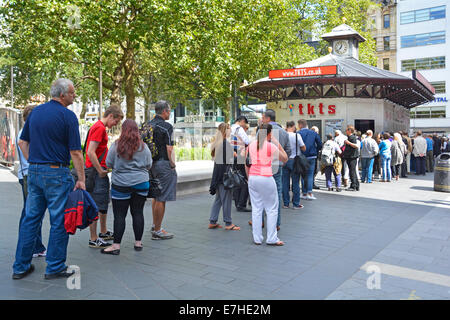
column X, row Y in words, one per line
column 340, row 47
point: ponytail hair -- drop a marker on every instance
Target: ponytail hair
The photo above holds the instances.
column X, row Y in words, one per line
column 263, row 131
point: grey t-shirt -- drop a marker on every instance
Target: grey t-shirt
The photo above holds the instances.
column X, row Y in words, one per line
column 126, row 173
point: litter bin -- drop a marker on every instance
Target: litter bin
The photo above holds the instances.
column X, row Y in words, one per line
column 442, row 173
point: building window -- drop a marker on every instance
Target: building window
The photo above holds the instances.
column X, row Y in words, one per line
column 439, row 86
column 422, row 15
column 386, row 64
column 386, row 43
column 427, row 112
column 423, row 39
column 424, row 63
column 386, row 21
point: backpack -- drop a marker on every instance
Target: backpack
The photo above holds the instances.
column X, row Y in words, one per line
column 147, row 135
column 327, row 158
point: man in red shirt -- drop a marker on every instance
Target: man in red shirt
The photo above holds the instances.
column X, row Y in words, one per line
column 97, row 150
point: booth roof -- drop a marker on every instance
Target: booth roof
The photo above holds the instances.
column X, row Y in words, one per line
column 350, row 70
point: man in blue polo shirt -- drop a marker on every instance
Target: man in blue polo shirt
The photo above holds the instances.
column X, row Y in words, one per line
column 49, row 139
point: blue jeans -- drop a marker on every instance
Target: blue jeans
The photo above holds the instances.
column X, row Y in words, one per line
column 367, row 169
column 308, row 184
column 47, row 188
column 38, row 246
column 337, row 177
column 288, row 174
column 386, row 168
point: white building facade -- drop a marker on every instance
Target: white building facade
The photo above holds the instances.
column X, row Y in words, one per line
column 423, row 43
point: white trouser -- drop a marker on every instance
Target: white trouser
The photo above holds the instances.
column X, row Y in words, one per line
column 346, row 174
column 408, row 162
column 264, row 196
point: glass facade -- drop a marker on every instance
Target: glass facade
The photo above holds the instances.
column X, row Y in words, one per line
column 423, row 39
column 439, row 86
column 426, row 112
column 422, row 15
column 423, row 63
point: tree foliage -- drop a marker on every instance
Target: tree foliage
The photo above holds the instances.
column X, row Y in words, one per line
column 153, row 49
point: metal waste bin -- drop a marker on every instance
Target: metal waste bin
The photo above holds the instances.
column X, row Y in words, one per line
column 442, row 173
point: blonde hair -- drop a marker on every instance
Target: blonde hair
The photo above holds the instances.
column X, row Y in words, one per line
column 398, row 137
column 221, row 135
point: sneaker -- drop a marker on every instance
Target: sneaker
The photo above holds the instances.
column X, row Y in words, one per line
column 109, row 235
column 99, row 243
column 285, row 207
column 304, row 196
column 310, row 197
column 161, row 235
column 298, row 208
column 41, row 254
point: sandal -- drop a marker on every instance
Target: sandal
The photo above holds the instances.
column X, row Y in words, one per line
column 214, row 226
column 279, row 244
column 233, row 227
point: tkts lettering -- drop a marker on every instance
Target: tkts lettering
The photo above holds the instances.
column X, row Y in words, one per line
column 310, row 109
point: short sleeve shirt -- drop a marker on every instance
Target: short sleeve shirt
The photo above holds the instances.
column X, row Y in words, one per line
column 296, row 141
column 98, row 134
column 52, row 132
column 261, row 160
column 162, row 136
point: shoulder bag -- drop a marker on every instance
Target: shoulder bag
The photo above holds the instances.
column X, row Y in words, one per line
column 301, row 164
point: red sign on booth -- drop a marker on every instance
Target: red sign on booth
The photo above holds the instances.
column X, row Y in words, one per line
column 303, row 72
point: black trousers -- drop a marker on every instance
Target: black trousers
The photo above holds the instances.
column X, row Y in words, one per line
column 404, row 169
column 240, row 195
column 120, row 210
column 351, row 163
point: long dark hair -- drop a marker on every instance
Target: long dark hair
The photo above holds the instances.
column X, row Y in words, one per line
column 129, row 141
column 263, row 131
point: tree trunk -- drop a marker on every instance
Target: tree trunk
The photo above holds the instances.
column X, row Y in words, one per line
column 117, row 86
column 130, row 66
column 83, row 109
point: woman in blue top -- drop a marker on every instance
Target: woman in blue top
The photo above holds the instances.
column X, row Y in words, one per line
column 130, row 160
column 385, row 153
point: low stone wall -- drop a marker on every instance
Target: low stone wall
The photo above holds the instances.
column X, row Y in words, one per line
column 194, row 176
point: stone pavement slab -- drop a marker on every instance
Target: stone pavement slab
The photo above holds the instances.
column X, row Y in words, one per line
column 400, row 223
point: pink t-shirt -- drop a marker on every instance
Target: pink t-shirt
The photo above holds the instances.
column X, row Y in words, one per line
column 261, row 160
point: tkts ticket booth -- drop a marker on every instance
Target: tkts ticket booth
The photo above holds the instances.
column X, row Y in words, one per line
column 337, row 90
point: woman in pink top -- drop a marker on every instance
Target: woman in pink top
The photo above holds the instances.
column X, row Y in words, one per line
column 262, row 186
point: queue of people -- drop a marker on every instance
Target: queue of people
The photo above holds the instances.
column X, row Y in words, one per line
column 142, row 164
column 50, row 139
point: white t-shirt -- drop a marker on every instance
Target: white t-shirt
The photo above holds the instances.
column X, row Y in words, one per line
column 300, row 144
column 238, row 131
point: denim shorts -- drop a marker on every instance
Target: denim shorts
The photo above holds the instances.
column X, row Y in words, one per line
column 100, row 194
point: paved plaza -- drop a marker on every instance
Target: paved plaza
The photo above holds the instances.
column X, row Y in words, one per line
column 400, row 229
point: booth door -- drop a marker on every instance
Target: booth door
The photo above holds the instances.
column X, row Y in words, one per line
column 364, row 125
column 318, row 124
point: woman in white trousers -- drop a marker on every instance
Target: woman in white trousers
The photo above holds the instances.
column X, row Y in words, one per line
column 262, row 186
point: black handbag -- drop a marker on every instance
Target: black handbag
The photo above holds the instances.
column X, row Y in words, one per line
column 233, row 178
column 155, row 189
column 301, row 164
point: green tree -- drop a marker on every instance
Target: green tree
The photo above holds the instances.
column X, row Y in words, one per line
column 317, row 17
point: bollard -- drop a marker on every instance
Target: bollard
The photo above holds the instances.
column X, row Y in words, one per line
column 442, row 173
